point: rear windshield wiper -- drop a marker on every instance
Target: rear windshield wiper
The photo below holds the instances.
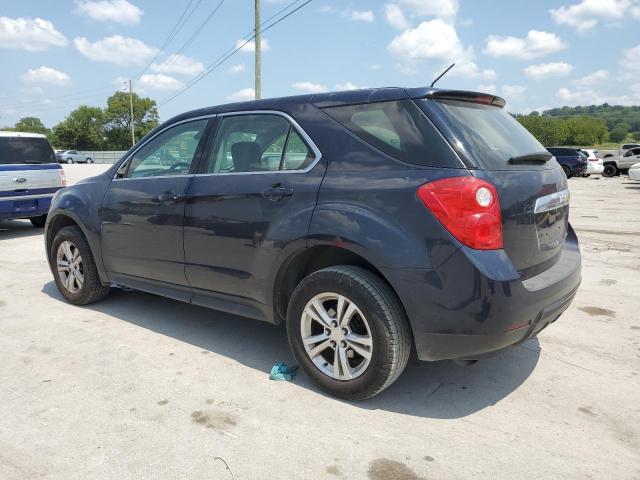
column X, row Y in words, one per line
column 541, row 157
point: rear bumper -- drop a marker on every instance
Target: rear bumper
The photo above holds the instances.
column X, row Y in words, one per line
column 476, row 304
column 595, row 168
column 25, row 208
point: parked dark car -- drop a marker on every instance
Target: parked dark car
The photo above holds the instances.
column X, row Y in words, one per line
column 390, row 220
column 572, row 160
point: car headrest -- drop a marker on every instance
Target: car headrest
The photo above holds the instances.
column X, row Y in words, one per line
column 246, row 156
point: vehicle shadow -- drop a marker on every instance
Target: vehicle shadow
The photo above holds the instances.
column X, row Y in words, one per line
column 436, row 390
column 17, row 229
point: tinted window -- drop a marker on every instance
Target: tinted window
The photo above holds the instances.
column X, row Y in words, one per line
column 170, row 153
column 486, row 134
column 399, row 129
column 626, row 147
column 258, row 143
column 16, row 150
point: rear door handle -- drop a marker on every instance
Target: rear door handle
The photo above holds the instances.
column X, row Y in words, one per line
column 278, row 193
column 169, row 197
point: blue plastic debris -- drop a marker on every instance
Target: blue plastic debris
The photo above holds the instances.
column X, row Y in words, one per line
column 281, row 371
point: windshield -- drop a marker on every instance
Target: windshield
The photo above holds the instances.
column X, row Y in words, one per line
column 25, row 150
column 486, row 135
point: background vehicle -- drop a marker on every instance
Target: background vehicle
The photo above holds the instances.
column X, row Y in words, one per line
column 595, row 165
column 573, row 163
column 634, row 172
column 620, row 161
column 73, row 156
column 394, row 219
column 29, row 176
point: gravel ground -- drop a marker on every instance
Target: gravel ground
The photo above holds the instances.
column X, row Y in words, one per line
column 139, row 386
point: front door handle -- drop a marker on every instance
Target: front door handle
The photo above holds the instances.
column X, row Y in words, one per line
column 169, row 197
column 276, row 193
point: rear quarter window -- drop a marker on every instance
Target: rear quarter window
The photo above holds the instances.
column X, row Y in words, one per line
column 399, row 129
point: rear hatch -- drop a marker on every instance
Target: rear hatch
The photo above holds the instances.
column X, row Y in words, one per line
column 532, row 187
column 27, row 166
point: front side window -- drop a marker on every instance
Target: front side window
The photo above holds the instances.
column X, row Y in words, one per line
column 399, row 129
column 257, row 143
column 170, row 153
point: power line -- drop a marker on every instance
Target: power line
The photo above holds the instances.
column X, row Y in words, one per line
column 172, row 58
column 232, row 51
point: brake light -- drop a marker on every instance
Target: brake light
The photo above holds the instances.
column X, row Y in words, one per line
column 469, row 208
column 63, row 178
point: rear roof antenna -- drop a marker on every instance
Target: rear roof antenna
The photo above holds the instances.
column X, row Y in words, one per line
column 443, row 74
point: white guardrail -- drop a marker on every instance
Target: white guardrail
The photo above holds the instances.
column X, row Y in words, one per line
column 105, row 157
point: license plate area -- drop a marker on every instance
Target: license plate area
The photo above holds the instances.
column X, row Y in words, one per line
column 551, row 228
column 25, row 205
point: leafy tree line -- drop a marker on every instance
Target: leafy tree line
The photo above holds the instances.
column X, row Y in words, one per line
column 589, row 125
column 95, row 128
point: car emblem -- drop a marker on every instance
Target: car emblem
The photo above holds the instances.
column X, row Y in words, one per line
column 19, row 180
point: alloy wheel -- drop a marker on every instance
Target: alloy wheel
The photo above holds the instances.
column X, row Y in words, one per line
column 336, row 336
column 70, row 267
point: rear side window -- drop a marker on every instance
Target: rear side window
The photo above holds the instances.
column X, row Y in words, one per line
column 486, row 134
column 25, row 150
column 399, row 129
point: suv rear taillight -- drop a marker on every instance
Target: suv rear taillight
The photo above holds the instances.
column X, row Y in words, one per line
column 468, row 208
column 63, row 178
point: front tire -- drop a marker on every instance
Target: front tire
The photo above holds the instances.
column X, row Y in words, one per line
column 348, row 332
column 74, row 268
column 610, row 170
column 38, row 222
column 69, row 160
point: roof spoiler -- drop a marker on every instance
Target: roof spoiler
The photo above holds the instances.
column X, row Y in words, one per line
column 472, row 97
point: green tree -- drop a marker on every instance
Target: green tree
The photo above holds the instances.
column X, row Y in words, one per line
column 83, row 129
column 618, row 134
column 32, row 125
column 636, row 135
column 586, row 131
column 117, row 117
column 549, row 131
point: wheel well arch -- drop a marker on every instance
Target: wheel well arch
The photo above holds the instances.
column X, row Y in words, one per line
column 310, row 260
column 56, row 224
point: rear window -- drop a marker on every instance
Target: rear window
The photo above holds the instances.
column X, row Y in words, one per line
column 487, row 135
column 399, row 129
column 30, row 150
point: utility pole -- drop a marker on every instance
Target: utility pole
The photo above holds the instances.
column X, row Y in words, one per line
column 258, row 67
column 133, row 134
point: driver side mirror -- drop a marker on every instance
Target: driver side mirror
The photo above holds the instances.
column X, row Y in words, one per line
column 122, row 170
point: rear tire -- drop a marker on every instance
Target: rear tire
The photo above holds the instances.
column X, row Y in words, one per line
column 610, row 170
column 74, row 268
column 38, row 222
column 566, row 171
column 364, row 351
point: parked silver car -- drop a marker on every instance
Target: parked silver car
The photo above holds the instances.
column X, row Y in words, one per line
column 73, row 156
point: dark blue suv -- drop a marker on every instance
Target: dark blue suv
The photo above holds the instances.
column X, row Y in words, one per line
column 371, row 222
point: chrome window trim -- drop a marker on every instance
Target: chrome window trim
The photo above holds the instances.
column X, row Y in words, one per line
column 160, row 132
column 314, row 148
column 552, row 201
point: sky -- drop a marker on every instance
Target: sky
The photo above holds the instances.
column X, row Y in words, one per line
column 59, row 54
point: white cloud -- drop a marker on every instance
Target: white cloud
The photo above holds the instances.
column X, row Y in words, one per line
column 487, row 88
column 309, row 87
column 437, row 40
column 250, row 46
column 546, row 70
column 239, row 68
column 431, row 8
column 630, row 64
column 535, row 44
column 158, row 81
column 361, row 15
column 586, row 14
column 32, row 35
column 46, row 75
column 593, row 78
column 513, row 92
column 395, row 17
column 375, row 66
column 242, row 95
column 349, row 86
column 179, row 64
column 118, row 11
column 117, row 49
column 579, row 97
